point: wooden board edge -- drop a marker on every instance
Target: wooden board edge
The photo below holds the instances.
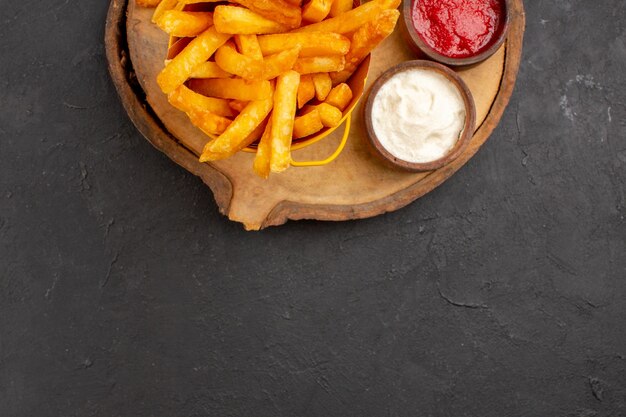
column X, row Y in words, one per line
column 122, row 73
column 287, row 210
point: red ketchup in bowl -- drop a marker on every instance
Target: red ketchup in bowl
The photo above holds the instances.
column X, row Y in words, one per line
column 457, row 28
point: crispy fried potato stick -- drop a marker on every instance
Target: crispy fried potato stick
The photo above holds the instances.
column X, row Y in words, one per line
column 189, row 101
column 185, row 24
column 364, row 40
column 162, row 7
column 263, row 156
column 352, row 20
column 198, row 51
column 232, row 61
column 307, row 125
column 209, row 70
column 276, row 64
column 238, row 105
column 233, row 88
column 340, row 96
column 311, row 65
column 209, row 123
column 282, row 119
column 323, row 85
column 241, row 21
column 316, row 10
column 329, row 115
column 185, row 2
column 248, row 45
column 311, row 44
column 306, row 90
column 340, row 6
column 148, row 3
column 251, row 138
column 238, row 133
column 279, row 11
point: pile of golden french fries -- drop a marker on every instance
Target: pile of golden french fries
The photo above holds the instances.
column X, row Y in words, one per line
column 266, row 70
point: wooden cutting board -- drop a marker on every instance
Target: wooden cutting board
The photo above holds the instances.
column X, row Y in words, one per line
column 357, row 185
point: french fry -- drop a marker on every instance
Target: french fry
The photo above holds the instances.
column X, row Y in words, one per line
column 209, row 123
column 311, row 44
column 311, row 65
column 323, row 85
column 248, row 45
column 364, row 40
column 316, row 10
column 185, row 24
column 238, row 132
column 209, row 70
column 241, row 21
column 340, row 6
column 148, row 3
column 233, row 62
column 307, row 125
column 162, row 7
column 340, row 96
column 329, row 115
column 282, row 120
column 280, row 11
column 238, row 105
column 251, row 138
column 262, row 159
column 352, row 20
column 276, row 64
column 306, row 90
column 256, row 133
column 186, row 2
column 198, row 51
column 233, row 88
column 189, row 101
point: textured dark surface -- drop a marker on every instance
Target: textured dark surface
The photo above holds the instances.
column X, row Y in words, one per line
column 123, row 292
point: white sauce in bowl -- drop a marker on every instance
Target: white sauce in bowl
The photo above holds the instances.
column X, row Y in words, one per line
column 418, row 115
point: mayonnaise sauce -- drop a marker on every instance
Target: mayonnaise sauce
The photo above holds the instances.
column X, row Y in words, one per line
column 418, row 115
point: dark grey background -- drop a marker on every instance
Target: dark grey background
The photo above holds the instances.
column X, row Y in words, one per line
column 123, row 292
